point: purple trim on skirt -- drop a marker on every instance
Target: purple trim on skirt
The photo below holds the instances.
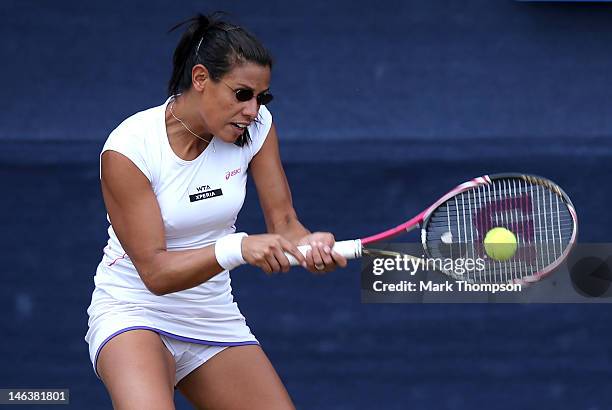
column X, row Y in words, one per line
column 170, row 335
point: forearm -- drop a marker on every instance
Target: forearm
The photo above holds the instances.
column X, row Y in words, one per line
column 288, row 226
column 173, row 271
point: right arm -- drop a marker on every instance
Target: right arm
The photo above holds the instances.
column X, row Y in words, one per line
column 136, row 218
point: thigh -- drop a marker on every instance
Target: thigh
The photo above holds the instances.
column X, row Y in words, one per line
column 138, row 371
column 239, row 377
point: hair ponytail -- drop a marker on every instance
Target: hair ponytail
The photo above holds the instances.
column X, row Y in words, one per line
column 183, row 54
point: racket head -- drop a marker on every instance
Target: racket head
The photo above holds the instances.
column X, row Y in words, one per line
column 536, row 210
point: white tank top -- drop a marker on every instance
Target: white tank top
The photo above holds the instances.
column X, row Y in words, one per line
column 199, row 202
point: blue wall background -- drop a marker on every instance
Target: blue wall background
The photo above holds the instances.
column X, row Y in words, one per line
column 380, row 109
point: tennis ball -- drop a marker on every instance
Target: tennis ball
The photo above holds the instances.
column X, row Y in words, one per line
column 500, row 244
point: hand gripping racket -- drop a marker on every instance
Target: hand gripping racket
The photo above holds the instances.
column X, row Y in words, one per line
column 539, row 214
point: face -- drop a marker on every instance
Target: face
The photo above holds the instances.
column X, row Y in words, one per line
column 222, row 113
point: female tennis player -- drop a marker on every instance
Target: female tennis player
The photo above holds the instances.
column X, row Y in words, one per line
column 173, row 179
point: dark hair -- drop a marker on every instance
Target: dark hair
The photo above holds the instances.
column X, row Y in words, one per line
column 217, row 45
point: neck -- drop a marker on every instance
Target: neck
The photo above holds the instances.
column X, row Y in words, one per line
column 184, row 144
column 188, row 118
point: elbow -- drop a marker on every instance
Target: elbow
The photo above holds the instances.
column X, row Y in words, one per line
column 155, row 283
column 154, row 275
column 157, row 290
column 158, row 287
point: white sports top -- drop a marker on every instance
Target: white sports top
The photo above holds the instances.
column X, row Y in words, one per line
column 199, row 202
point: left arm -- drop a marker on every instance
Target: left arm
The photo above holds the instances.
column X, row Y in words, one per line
column 273, row 191
column 277, row 205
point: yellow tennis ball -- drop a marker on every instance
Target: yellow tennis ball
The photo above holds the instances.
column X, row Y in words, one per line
column 500, row 244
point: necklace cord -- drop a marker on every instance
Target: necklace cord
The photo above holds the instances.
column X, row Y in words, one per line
column 185, row 125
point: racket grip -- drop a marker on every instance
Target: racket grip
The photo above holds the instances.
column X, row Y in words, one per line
column 350, row 249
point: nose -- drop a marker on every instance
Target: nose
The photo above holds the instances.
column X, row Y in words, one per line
column 250, row 108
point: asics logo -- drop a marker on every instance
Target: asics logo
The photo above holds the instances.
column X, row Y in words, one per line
column 230, row 174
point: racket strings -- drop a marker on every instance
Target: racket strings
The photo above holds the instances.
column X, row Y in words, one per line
column 388, row 253
column 536, row 214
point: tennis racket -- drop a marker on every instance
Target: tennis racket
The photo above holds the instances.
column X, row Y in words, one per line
column 536, row 210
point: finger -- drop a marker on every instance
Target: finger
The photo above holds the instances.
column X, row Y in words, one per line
column 309, row 260
column 339, row 260
column 317, row 258
column 270, row 258
column 317, row 237
column 293, row 250
column 282, row 260
column 274, row 265
column 265, row 266
column 328, row 239
column 326, row 255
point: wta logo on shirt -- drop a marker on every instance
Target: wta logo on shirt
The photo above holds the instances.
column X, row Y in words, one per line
column 205, row 192
column 230, row 174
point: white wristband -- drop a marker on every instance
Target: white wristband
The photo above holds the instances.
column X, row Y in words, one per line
column 228, row 251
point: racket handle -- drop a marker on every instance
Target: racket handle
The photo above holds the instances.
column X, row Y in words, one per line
column 350, row 249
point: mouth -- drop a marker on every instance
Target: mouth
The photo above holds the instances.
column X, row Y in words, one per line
column 240, row 125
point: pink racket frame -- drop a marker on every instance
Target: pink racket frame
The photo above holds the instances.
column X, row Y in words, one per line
column 352, row 249
column 484, row 180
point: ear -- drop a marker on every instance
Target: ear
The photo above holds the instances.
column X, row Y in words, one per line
column 199, row 77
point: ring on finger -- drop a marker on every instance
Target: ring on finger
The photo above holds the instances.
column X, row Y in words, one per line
column 319, row 267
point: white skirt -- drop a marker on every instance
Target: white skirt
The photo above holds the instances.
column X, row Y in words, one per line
column 109, row 317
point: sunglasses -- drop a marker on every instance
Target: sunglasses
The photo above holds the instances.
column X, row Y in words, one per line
column 246, row 94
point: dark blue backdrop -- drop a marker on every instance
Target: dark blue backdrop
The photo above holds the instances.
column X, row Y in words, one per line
column 381, row 107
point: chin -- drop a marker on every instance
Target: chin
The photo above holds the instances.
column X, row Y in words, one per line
column 230, row 139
